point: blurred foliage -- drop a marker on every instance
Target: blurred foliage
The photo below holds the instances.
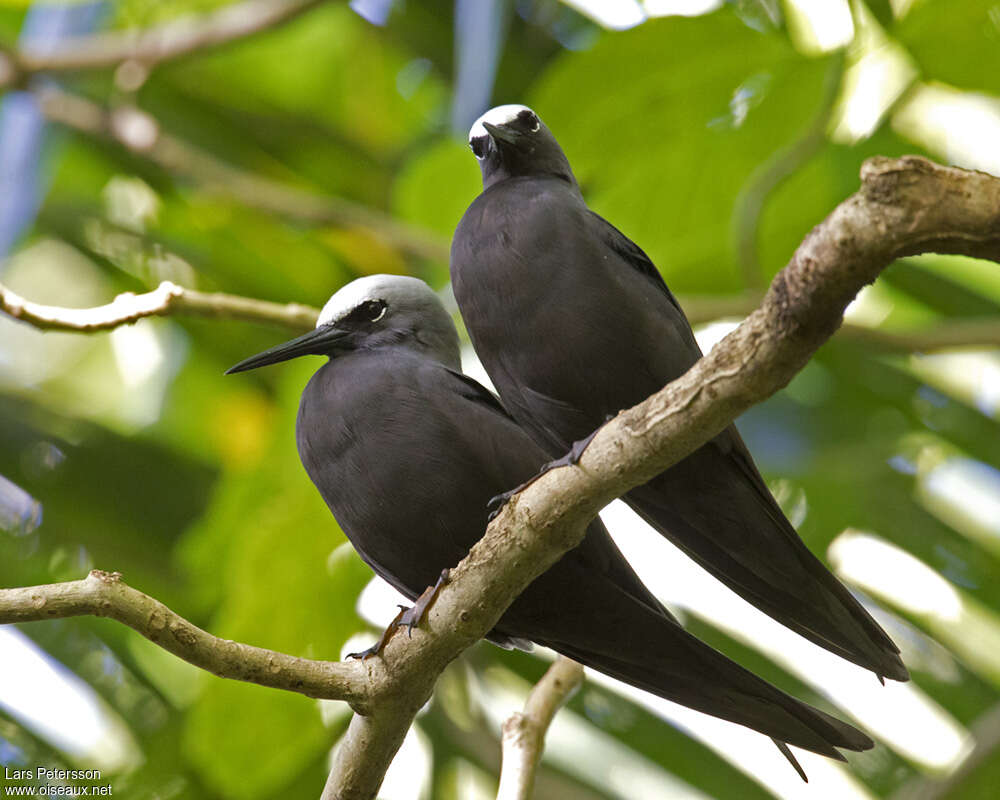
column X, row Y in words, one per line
column 685, row 132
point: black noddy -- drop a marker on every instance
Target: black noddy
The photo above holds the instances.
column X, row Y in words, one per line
column 573, row 323
column 406, row 451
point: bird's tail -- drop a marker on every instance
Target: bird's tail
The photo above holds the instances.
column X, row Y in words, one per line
column 741, row 698
column 632, row 643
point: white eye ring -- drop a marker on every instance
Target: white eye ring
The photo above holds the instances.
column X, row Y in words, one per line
column 536, row 126
column 381, row 313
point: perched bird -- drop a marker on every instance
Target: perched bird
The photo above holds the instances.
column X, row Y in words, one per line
column 406, row 451
column 573, row 323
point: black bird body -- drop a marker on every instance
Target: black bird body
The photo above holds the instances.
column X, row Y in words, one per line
column 406, row 451
column 433, row 433
column 573, row 323
column 509, row 247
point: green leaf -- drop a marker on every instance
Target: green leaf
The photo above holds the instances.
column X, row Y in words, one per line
column 435, row 188
column 314, row 67
column 882, row 11
column 955, row 41
column 678, row 115
column 811, row 193
column 930, row 279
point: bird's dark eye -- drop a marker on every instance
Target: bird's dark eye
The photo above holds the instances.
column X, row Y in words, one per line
column 374, row 310
column 479, row 146
column 529, row 120
column 364, row 313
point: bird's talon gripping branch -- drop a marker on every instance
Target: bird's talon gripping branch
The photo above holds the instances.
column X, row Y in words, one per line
column 571, row 459
column 390, row 629
column 408, row 617
column 496, row 503
column 414, row 615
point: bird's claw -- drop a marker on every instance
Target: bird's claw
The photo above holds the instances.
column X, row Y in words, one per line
column 496, row 503
column 413, row 616
column 571, row 459
column 408, row 617
column 376, row 649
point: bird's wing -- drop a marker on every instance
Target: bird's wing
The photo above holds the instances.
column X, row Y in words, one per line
column 473, row 390
column 666, row 347
column 632, row 254
column 477, row 393
column 552, row 422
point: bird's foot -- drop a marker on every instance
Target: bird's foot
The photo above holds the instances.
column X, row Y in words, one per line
column 408, row 617
column 376, row 649
column 415, row 614
column 496, row 504
column 571, row 459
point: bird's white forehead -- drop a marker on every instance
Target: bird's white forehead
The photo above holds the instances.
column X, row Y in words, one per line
column 395, row 290
column 500, row 115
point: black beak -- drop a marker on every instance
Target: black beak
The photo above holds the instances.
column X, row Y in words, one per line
column 319, row 342
column 502, row 133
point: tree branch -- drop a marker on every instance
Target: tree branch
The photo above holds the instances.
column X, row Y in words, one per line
column 166, row 299
column 174, row 39
column 141, row 134
column 482, row 747
column 104, row 594
column 905, row 206
column 524, row 732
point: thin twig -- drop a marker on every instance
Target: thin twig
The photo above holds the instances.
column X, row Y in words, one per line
column 776, row 170
column 524, row 732
column 166, row 299
column 481, row 746
column 180, row 37
column 953, row 335
column 700, row 309
column 104, row 594
column 141, row 134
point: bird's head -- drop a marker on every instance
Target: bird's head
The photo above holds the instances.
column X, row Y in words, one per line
column 372, row 312
column 511, row 141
